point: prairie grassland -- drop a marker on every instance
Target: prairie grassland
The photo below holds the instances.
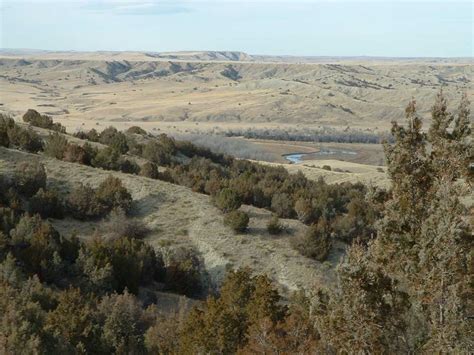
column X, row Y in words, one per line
column 86, row 90
column 178, row 217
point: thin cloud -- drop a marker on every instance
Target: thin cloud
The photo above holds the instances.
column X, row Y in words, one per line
column 140, row 8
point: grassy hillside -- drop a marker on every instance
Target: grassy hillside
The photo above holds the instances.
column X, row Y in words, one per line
column 178, row 217
column 204, row 95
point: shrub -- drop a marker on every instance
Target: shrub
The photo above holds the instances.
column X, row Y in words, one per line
column 183, row 273
column 107, row 135
column 134, row 148
column 92, row 135
column 167, row 143
column 227, row 200
column 6, row 124
column 136, row 130
column 126, row 263
column 75, row 154
column 113, row 194
column 55, row 146
column 316, row 242
column 34, row 118
column 30, row 177
column 31, row 116
column 91, row 153
column 237, row 220
column 274, row 226
column 119, row 143
column 326, row 167
column 304, row 210
column 25, row 139
column 149, row 170
column 107, row 158
column 282, row 205
column 128, row 166
column 83, row 203
column 118, row 225
column 156, row 153
column 46, row 203
column 39, row 247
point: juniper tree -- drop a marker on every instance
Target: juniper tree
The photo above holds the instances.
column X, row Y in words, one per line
column 424, row 249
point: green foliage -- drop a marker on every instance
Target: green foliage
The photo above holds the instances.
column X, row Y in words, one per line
column 34, row 118
column 6, row 124
column 227, row 200
column 128, row 166
column 136, row 130
column 38, row 245
column 274, row 226
column 183, row 272
column 91, row 135
column 76, row 154
column 149, row 170
column 83, row 203
column 55, row 146
column 30, row 177
column 410, row 288
column 282, row 205
column 74, row 324
column 107, row 158
column 358, row 223
column 119, row 143
column 222, row 325
column 124, row 323
column 112, row 194
column 47, row 203
column 316, row 243
column 237, row 220
column 107, row 135
column 366, row 296
column 86, row 203
column 156, row 153
column 304, row 210
column 25, row 139
column 118, row 224
column 122, row 263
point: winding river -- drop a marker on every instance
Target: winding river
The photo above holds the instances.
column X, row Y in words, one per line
column 296, row 158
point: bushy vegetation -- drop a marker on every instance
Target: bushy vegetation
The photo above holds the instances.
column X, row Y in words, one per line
column 227, row 200
column 36, row 119
column 55, row 146
column 237, row 220
column 12, row 135
column 46, row 203
column 324, row 135
column 316, row 242
column 118, row 225
column 274, row 226
column 86, row 203
column 136, row 130
column 29, row 177
column 406, row 290
column 149, row 170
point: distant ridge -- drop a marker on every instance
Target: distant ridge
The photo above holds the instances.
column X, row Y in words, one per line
column 213, row 56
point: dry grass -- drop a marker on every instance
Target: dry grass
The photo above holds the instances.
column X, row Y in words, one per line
column 195, row 96
column 176, row 216
column 341, row 171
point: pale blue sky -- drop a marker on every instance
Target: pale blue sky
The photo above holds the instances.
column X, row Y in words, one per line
column 308, row 27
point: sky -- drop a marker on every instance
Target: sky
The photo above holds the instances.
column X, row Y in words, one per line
column 391, row 28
